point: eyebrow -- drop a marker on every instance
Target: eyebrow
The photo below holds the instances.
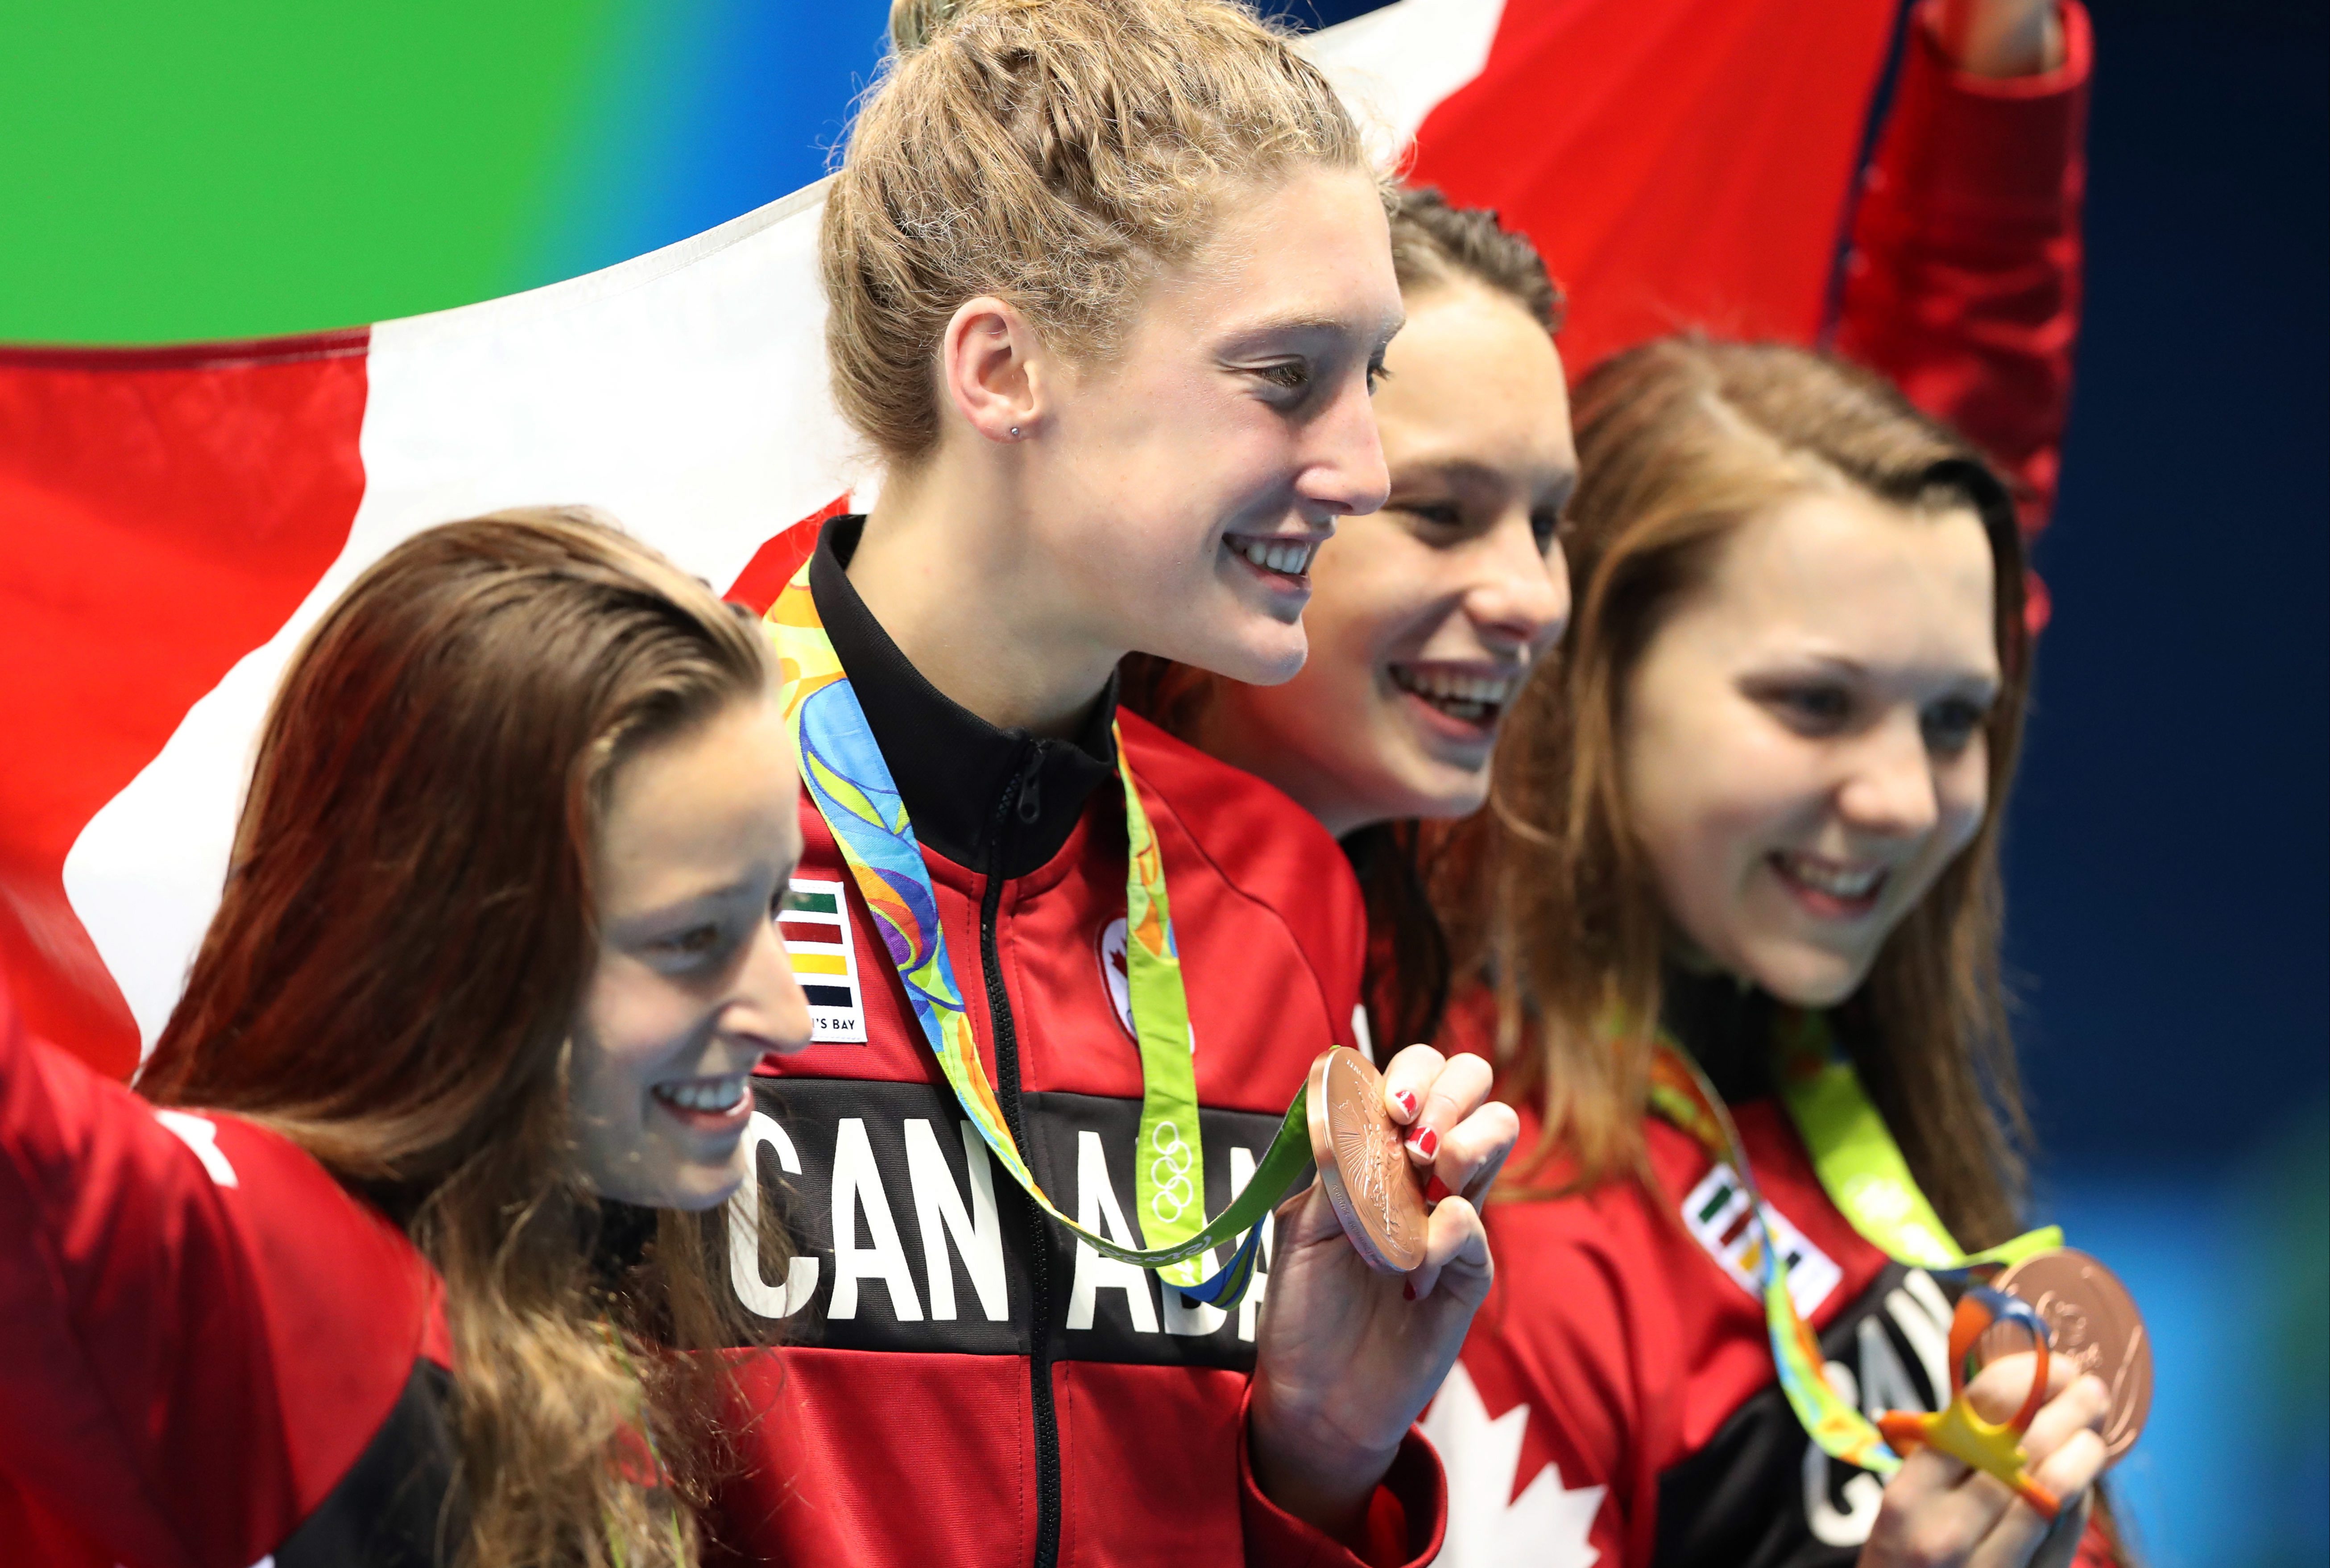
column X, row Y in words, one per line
column 1305, row 321
column 1461, row 471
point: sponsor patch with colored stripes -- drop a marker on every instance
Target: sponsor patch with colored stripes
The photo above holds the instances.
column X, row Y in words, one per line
column 815, row 926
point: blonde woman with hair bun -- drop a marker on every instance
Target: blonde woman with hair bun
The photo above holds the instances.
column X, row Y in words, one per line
column 1110, row 282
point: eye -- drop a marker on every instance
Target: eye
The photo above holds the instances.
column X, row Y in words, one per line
column 1444, row 515
column 1814, row 707
column 694, row 942
column 1950, row 724
column 1293, row 375
column 1546, row 526
column 1377, row 376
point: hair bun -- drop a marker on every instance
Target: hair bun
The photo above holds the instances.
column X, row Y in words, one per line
column 914, row 23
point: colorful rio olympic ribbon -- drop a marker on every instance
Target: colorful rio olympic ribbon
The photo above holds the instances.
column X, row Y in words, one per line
column 842, row 769
column 1852, row 1151
column 1958, row 1429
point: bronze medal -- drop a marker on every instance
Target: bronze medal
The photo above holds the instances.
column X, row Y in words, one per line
column 1378, row 1195
column 2093, row 1321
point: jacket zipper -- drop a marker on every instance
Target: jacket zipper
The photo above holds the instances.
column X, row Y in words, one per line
column 1020, row 798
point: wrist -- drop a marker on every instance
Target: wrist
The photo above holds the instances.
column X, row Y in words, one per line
column 1310, row 1470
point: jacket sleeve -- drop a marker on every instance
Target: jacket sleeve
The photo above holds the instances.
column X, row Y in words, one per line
column 1407, row 1517
column 201, row 1329
column 1962, row 281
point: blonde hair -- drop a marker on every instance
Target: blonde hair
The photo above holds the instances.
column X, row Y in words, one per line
column 1680, row 442
column 1053, row 154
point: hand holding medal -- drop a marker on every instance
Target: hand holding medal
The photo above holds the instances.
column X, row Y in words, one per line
column 1371, row 1288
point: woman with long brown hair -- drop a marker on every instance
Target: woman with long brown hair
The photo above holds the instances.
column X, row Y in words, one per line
column 1740, row 967
column 383, row 1260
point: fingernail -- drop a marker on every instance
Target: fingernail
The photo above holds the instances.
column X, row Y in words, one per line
column 1406, row 1099
column 1424, row 1144
column 1408, row 1288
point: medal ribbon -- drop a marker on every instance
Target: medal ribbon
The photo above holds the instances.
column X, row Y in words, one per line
column 1853, row 1153
column 843, row 770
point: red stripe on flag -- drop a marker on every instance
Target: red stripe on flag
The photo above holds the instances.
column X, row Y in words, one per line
column 167, row 510
column 1679, row 163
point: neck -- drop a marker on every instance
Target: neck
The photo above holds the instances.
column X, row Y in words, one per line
column 947, row 567
column 1231, row 731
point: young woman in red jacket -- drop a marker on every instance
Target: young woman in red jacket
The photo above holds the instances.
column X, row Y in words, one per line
column 1109, row 282
column 377, row 1263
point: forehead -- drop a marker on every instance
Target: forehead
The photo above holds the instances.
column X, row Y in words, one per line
column 1474, row 376
column 1840, row 573
column 698, row 805
column 1308, row 250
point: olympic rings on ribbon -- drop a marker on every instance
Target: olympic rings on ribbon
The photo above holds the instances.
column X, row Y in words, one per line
column 1169, row 1172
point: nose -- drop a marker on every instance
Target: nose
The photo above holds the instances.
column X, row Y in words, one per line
column 1889, row 790
column 1343, row 473
column 769, row 1003
column 1522, row 596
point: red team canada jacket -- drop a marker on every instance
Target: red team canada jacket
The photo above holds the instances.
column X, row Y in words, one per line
column 962, row 1382
column 1615, row 1404
column 210, row 1353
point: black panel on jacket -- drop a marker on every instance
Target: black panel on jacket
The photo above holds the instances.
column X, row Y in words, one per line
column 1760, row 1495
column 390, row 1510
column 905, row 1155
column 954, row 770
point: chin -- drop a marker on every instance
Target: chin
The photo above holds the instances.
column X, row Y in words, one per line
column 1808, row 976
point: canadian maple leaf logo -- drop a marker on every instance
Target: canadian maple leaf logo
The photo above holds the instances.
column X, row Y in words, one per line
column 1546, row 1525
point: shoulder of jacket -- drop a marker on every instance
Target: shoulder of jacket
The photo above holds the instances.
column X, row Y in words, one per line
column 1263, row 843
column 1259, row 841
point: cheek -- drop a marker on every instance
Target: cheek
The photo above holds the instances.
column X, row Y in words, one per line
column 1963, row 793
column 632, row 1021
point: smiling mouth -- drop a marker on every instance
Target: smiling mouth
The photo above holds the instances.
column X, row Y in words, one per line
column 1829, row 888
column 1276, row 557
column 1468, row 695
column 706, row 1102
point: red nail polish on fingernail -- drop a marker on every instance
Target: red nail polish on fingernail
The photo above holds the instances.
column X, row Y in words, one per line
column 1406, row 1101
column 1424, row 1144
column 1408, row 1288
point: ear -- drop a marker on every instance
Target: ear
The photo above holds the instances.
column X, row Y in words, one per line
column 990, row 367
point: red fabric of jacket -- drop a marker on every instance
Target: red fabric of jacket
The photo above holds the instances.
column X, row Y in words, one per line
column 210, row 1353
column 1962, row 282
column 961, row 1382
column 1615, row 1403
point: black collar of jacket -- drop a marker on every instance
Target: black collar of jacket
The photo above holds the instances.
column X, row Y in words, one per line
column 999, row 801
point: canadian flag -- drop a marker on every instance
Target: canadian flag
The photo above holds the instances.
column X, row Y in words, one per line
column 173, row 520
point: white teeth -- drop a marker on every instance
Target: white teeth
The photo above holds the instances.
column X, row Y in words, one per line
column 1836, row 881
column 1291, row 557
column 1466, row 693
column 704, row 1093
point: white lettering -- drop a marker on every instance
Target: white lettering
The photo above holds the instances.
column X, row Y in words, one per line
column 1097, row 1210
column 1862, row 1495
column 1185, row 1316
column 745, row 1274
column 938, row 1206
column 1885, row 1382
column 1924, row 1314
column 857, row 1185
column 1242, row 1163
column 200, row 1134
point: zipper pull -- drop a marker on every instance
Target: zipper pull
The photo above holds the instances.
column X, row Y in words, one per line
column 1031, row 796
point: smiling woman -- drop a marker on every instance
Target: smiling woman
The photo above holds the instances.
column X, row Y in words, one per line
column 1741, row 966
column 451, row 1103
